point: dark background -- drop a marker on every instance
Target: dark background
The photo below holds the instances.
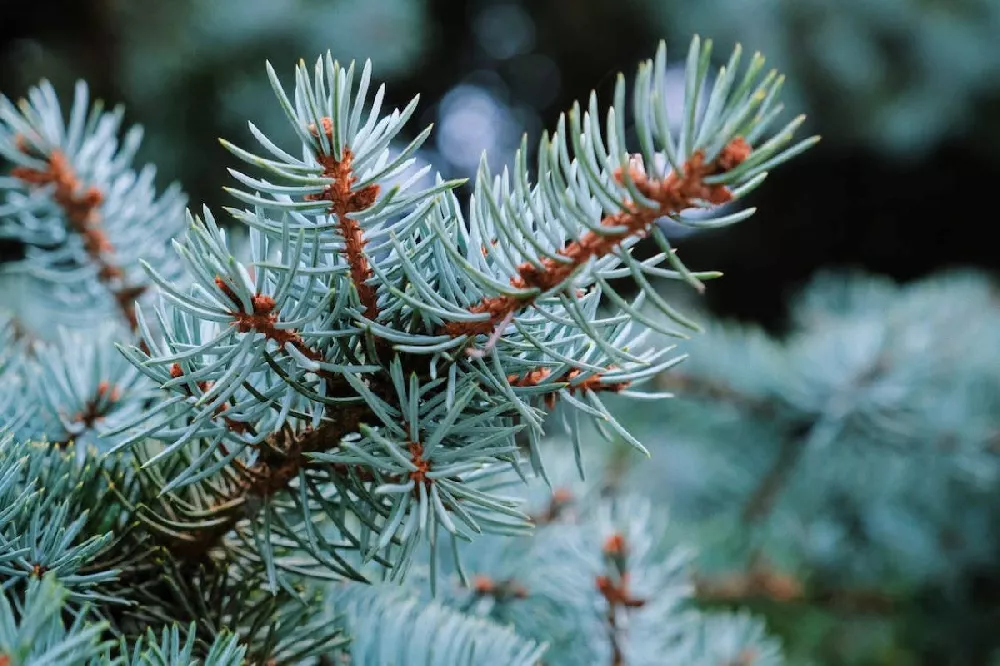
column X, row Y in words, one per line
column 902, row 207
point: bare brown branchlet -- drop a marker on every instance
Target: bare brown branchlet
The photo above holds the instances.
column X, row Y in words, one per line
column 758, row 582
column 673, row 194
column 81, row 206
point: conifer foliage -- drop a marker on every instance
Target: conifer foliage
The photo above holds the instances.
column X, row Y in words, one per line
column 318, row 451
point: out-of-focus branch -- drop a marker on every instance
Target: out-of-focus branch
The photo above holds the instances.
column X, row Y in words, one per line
column 762, row 499
column 763, row 583
column 708, row 389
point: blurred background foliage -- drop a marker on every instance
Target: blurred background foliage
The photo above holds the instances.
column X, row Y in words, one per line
column 907, row 96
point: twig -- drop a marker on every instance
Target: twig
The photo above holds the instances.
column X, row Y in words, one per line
column 500, row 590
column 703, row 387
column 344, row 202
column 762, row 499
column 615, row 590
column 561, row 500
column 760, row 583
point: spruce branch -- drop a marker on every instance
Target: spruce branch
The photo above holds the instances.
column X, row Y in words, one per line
column 81, row 205
column 330, row 354
column 675, row 193
column 82, row 213
column 376, row 375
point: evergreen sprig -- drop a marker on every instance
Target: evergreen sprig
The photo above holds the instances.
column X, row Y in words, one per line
column 377, row 345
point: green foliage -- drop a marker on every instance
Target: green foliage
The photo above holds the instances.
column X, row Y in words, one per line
column 280, row 439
